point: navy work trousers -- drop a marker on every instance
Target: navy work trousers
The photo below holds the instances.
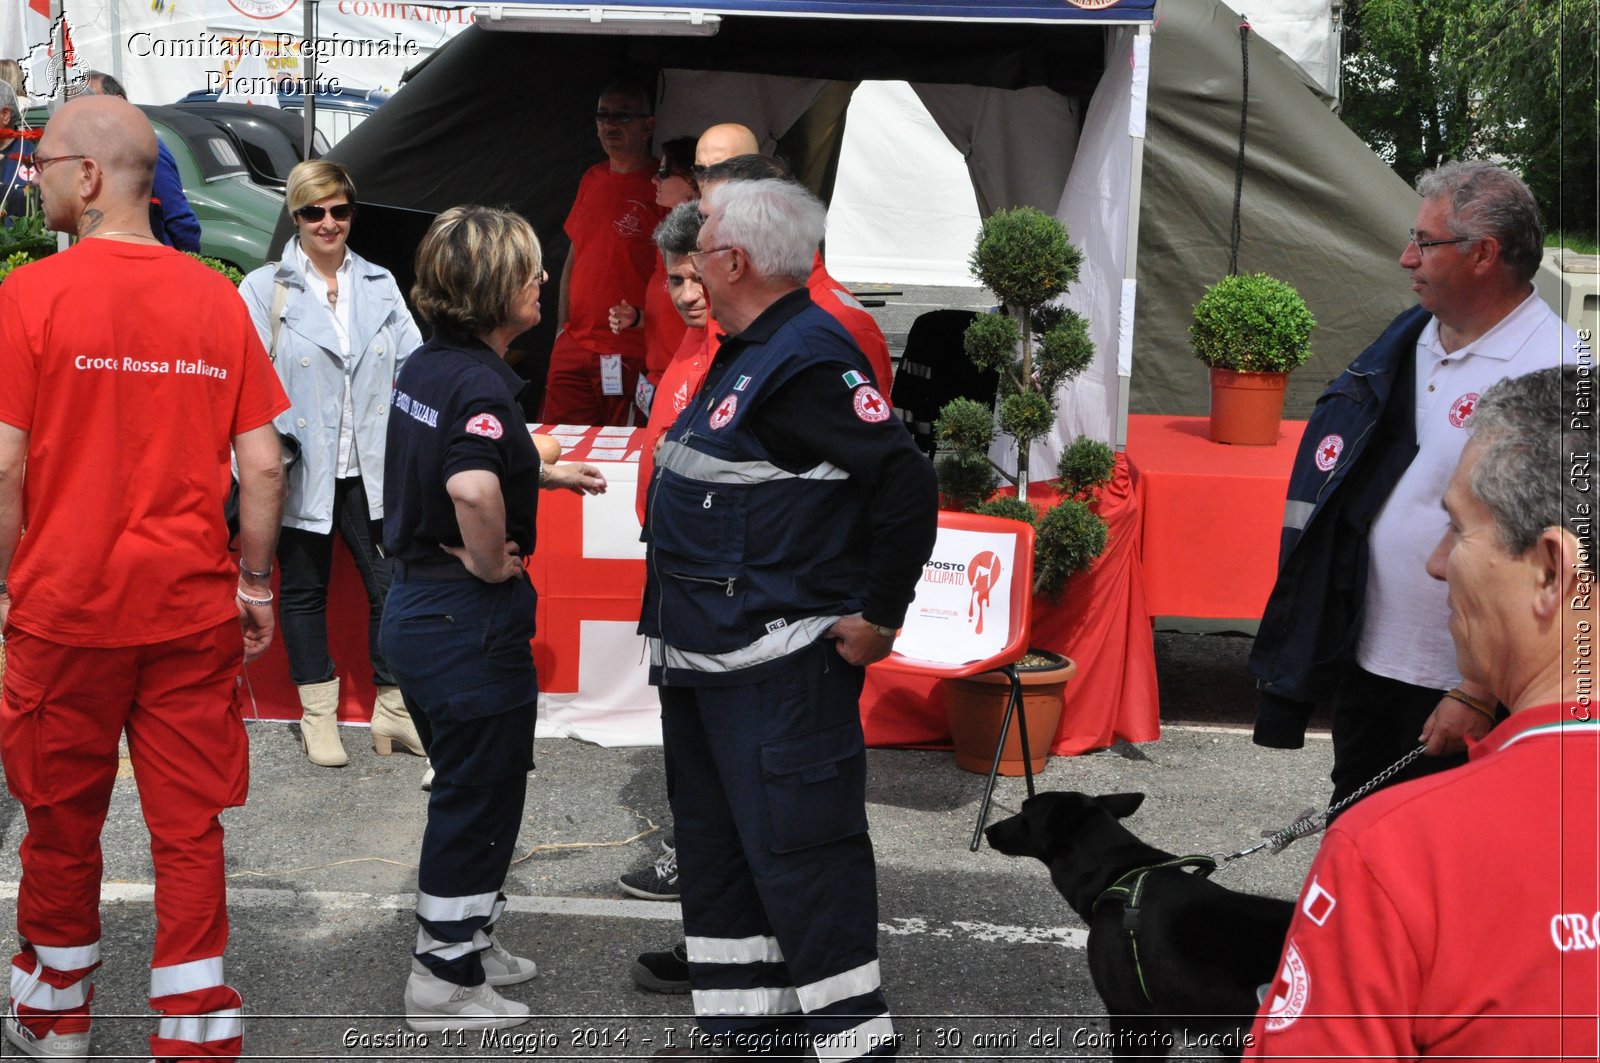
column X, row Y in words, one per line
column 780, row 903
column 460, row 650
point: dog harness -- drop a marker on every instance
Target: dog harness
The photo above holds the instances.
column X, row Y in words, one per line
column 1129, row 889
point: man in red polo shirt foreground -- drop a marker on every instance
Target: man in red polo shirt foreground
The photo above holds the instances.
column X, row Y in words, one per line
column 129, row 369
column 1455, row 915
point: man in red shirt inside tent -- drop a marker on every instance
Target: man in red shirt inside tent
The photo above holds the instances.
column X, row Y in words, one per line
column 129, row 369
column 593, row 370
column 1455, row 915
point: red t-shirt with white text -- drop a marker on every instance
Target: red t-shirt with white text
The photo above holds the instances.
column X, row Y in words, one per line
column 131, row 368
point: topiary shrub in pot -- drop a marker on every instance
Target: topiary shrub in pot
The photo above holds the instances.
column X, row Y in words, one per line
column 1024, row 256
column 1251, row 330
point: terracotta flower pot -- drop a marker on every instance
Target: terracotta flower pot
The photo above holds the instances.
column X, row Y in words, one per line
column 977, row 704
column 1246, row 408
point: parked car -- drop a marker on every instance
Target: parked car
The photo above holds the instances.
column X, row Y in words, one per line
column 268, row 139
column 337, row 112
column 236, row 215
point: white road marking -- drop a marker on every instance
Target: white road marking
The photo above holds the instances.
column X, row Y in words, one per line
column 661, row 911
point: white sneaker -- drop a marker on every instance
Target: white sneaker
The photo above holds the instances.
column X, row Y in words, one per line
column 432, row 1004
column 502, row 968
column 59, row 1046
column 427, row 778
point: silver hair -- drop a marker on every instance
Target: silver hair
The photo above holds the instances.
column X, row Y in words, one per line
column 1527, row 428
column 778, row 224
column 1490, row 200
column 678, row 231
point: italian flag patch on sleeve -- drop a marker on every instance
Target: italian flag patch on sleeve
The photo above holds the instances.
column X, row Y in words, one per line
column 854, row 379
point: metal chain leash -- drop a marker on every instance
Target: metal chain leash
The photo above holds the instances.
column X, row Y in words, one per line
column 1311, row 821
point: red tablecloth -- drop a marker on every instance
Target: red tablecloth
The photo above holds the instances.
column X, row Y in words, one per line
column 1213, row 514
column 1100, row 621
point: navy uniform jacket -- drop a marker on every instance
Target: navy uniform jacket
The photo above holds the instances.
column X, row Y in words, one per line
column 1311, row 623
column 455, row 409
column 787, row 495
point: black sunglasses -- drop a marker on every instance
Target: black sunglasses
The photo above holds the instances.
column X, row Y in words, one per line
column 314, row 213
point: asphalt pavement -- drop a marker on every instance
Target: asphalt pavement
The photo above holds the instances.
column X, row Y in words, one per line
column 981, row 958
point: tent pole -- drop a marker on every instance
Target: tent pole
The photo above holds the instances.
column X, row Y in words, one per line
column 1136, row 133
column 308, row 84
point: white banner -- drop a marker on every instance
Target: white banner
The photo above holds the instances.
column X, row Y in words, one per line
column 161, row 51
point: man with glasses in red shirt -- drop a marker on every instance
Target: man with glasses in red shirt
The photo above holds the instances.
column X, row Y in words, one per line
column 593, row 370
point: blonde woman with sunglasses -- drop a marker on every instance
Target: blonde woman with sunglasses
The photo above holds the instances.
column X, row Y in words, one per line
column 338, row 332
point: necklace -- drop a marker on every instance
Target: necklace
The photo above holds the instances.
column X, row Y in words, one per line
column 123, row 232
column 333, row 298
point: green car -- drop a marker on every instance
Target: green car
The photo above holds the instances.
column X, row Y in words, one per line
column 236, row 215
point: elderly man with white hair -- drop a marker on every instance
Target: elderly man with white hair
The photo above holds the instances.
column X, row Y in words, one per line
column 1456, row 915
column 790, row 517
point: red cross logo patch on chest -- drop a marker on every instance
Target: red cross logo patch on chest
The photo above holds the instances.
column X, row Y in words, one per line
column 724, row 411
column 1462, row 409
column 486, row 425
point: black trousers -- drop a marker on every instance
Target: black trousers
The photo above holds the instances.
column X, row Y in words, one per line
column 305, row 566
column 1376, row 721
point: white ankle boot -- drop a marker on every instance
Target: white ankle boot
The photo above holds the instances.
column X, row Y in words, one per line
column 392, row 726
column 319, row 724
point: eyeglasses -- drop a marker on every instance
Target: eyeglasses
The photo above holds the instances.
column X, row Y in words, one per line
column 696, row 256
column 1423, row 245
column 41, row 161
column 619, row 117
column 666, row 173
column 314, row 213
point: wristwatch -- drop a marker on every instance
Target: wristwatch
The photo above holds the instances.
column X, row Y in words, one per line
column 886, row 632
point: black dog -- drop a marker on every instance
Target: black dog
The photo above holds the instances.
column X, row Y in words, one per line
column 1182, row 968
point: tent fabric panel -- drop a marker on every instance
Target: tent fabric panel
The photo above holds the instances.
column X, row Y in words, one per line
column 1000, row 55
column 1320, row 210
column 1094, row 207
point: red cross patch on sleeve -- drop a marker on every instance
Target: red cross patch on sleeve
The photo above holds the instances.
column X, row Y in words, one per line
column 871, row 406
column 486, row 425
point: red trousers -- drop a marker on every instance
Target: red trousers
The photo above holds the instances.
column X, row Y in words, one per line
column 63, row 711
column 573, row 393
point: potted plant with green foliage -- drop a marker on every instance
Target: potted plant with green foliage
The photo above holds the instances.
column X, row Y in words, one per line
column 1252, row 330
column 1025, row 257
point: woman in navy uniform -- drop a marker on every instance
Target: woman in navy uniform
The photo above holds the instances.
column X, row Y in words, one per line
column 460, row 492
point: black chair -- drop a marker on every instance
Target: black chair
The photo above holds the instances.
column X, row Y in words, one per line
column 935, row 369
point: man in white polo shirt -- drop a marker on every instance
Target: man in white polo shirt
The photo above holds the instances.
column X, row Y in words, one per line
column 1354, row 616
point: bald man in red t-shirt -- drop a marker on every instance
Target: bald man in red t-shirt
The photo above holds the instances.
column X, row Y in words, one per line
column 130, row 370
